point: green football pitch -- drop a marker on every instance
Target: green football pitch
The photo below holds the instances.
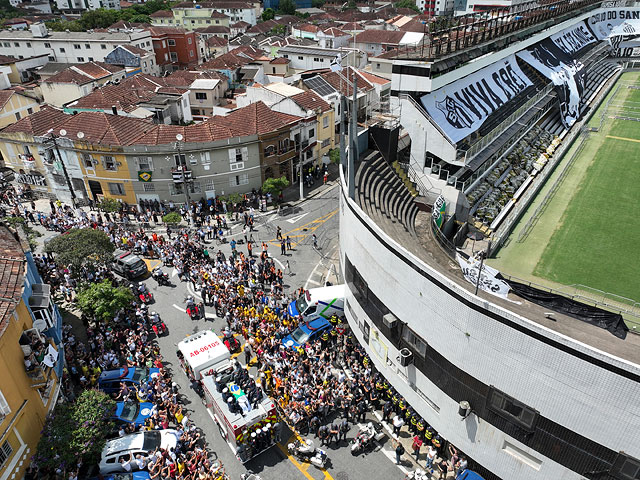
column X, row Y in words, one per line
column 588, row 237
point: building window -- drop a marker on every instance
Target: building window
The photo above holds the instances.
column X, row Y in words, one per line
column 325, row 122
column 81, row 59
column 174, row 56
column 201, row 95
column 172, row 42
column 61, row 50
column 145, row 163
column 191, row 53
column 87, row 46
column 300, row 58
column 511, row 409
column 325, row 143
column 144, row 64
column 148, row 187
column 116, row 189
column 236, row 166
column 209, row 186
column 76, row 46
column 419, row 345
column 87, row 160
column 189, row 40
column 626, row 467
column 5, row 409
column 180, row 159
column 269, row 150
column 51, row 58
column 103, row 46
column 8, row 44
column 312, row 133
column 109, row 163
column 16, row 44
column 237, row 180
column 90, row 59
column 17, row 114
column 28, row 45
column 29, row 110
column 5, row 453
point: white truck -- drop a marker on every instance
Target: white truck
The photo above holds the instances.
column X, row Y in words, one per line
column 319, row 302
column 233, row 399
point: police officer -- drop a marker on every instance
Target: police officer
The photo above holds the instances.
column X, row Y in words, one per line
column 314, row 424
column 420, row 428
column 362, row 410
column 324, row 339
column 428, row 433
column 413, row 421
column 323, row 434
column 387, row 409
column 334, row 432
column 344, row 429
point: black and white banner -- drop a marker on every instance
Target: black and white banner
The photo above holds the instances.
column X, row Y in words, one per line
column 567, row 74
column 573, row 39
column 604, row 21
column 625, row 35
column 488, row 281
column 461, row 107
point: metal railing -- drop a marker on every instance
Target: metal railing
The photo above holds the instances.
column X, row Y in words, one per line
column 417, row 179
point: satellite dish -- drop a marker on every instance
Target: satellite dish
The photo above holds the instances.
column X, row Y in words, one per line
column 63, row 132
column 80, row 135
column 179, row 137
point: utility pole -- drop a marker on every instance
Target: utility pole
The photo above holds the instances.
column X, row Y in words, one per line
column 64, row 167
column 300, row 165
column 183, row 168
column 343, row 132
column 353, row 142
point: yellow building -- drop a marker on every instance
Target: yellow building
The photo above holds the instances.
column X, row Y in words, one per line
column 190, row 18
column 14, row 106
column 326, row 135
column 30, row 356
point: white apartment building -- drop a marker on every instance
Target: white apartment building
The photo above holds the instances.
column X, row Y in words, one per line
column 312, row 58
column 68, row 47
column 78, row 6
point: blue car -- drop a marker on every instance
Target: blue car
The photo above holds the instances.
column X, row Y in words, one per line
column 126, row 476
column 306, row 332
column 133, row 412
column 109, row 380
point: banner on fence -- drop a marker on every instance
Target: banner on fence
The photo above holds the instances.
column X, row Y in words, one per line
column 488, row 281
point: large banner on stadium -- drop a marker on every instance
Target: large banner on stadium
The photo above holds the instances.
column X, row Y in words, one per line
column 461, row 107
column 488, row 282
column 625, row 39
column 604, row 21
column 552, row 58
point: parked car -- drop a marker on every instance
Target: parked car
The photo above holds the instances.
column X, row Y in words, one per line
column 120, row 449
column 126, row 476
column 306, row 332
column 132, row 412
column 128, row 265
column 109, row 380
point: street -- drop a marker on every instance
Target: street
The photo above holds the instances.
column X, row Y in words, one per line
column 304, row 266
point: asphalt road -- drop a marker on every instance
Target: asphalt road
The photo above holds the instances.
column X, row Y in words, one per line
column 309, row 267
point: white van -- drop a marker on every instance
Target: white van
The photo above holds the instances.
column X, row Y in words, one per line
column 202, row 353
column 141, row 443
column 319, row 302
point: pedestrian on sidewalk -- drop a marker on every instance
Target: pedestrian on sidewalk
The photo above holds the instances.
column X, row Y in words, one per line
column 288, row 243
column 248, row 354
column 279, row 233
column 288, row 268
column 249, row 248
column 325, row 178
column 398, row 422
column 417, row 444
column 315, row 241
column 431, row 456
column 283, row 248
column 399, row 452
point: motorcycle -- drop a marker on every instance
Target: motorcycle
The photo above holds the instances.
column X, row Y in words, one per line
column 192, row 311
column 365, row 438
column 307, row 452
column 231, row 343
column 158, row 326
column 145, row 297
column 161, row 277
column 419, row 474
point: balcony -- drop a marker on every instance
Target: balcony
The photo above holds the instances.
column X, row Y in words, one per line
column 40, row 356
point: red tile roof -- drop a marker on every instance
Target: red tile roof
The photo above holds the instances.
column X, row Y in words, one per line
column 12, row 269
column 241, row 24
column 279, row 61
column 217, row 42
column 380, row 37
column 37, row 123
column 136, row 50
column 166, row 30
column 5, row 95
column 218, row 15
column 334, row 32
column 371, row 78
column 162, row 14
column 214, row 29
column 307, row 27
column 309, row 100
column 342, row 81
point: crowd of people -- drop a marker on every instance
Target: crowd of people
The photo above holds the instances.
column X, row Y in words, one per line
column 320, row 388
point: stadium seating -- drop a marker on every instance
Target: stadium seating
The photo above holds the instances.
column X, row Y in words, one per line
column 384, row 197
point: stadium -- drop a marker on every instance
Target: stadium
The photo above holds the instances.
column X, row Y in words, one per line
column 487, row 238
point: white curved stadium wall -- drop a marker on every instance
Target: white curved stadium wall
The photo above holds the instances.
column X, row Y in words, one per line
column 576, row 394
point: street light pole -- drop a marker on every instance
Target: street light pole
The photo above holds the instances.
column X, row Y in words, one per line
column 300, row 166
column 64, row 167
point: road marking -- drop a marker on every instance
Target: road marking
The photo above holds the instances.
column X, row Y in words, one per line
column 175, row 272
column 179, row 308
column 313, row 272
column 392, row 456
column 151, row 264
column 297, row 218
column 623, row 138
column 304, row 230
column 295, row 462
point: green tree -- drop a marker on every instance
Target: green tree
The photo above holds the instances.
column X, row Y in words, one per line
column 172, row 217
column 268, row 14
column 407, row 4
column 334, row 155
column 75, row 433
column 81, row 247
column 62, row 25
column 102, row 300
column 110, row 205
column 274, row 186
column 287, row 7
column 280, row 30
column 100, row 18
column 18, row 223
column 351, row 5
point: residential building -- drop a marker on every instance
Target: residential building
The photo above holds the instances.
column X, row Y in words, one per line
column 239, row 28
column 213, row 47
column 18, row 70
column 333, row 37
column 278, row 67
column 14, row 106
column 69, row 47
column 106, row 155
column 314, row 58
column 30, row 328
column 77, row 81
column 134, row 59
column 305, row 30
column 141, row 96
column 230, row 64
column 220, row 31
column 79, row 6
column 191, row 15
column 204, row 95
column 376, row 42
column 175, row 48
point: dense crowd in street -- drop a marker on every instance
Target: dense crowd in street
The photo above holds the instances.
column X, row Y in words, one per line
column 320, row 388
